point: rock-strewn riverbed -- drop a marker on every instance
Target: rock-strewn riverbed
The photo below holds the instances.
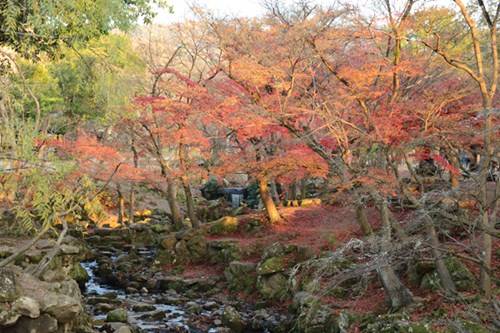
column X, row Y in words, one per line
column 128, row 288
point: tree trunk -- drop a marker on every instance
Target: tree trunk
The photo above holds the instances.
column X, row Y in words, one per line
column 121, row 205
column 484, row 224
column 187, row 187
column 303, row 189
column 190, row 202
column 175, row 211
column 292, row 191
column 400, row 232
column 267, row 200
column 399, row 296
column 443, row 272
column 47, row 259
column 274, row 192
column 363, row 219
column 454, row 177
column 131, row 205
column 26, row 247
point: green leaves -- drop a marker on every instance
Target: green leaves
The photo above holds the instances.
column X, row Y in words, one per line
column 35, row 26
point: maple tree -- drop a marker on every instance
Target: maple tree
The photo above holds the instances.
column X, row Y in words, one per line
column 388, row 112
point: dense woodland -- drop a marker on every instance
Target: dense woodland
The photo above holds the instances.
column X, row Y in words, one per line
column 317, row 169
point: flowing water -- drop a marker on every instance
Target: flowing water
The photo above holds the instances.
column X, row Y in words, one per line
column 161, row 318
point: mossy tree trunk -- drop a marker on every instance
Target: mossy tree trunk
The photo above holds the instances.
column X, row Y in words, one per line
column 399, row 296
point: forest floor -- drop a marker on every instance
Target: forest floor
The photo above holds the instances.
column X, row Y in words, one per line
column 326, row 228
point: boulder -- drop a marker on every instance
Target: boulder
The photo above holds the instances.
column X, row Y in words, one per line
column 62, row 307
column 27, row 306
column 241, row 276
column 182, row 254
column 43, row 324
column 118, row 315
column 160, row 228
column 197, row 247
column 312, row 316
column 224, row 225
column 79, row 274
column 8, row 316
column 223, row 251
column 232, row 319
column 273, row 286
column 39, row 304
column 168, row 243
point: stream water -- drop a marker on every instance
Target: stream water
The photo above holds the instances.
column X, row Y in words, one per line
column 159, row 316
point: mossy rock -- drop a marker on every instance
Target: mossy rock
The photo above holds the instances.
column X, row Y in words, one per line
column 464, row 280
column 224, row 225
column 198, row 248
column 272, row 265
column 312, row 316
column 252, row 227
column 160, row 228
column 164, row 257
column 223, row 251
column 393, row 323
column 117, row 315
column 278, row 250
column 241, row 276
column 168, row 243
column 273, row 287
column 232, row 319
column 79, row 274
column 182, row 254
column 417, row 270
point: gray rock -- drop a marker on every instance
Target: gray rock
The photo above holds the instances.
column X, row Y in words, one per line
column 153, row 316
column 313, row 317
column 27, row 307
column 193, row 307
column 64, row 308
column 9, row 289
column 210, row 305
column 43, row 324
column 104, row 307
column 8, row 317
column 124, row 329
column 44, row 244
column 143, row 307
column 232, row 319
column 69, row 249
